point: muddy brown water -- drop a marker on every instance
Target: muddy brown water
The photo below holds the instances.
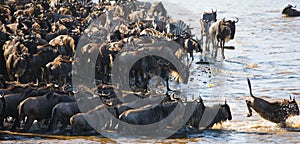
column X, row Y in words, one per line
column 266, row 50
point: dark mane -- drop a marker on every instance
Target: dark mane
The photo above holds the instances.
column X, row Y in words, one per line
column 223, row 114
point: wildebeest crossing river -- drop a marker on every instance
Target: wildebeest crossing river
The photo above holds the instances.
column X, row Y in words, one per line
column 266, row 50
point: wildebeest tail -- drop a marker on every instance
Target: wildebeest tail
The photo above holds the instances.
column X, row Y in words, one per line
column 250, row 89
column 52, row 119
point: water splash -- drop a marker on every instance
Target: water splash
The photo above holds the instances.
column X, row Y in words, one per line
column 293, row 122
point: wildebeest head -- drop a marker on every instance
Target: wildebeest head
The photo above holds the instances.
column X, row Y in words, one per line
column 290, row 11
column 290, row 107
column 210, row 16
column 231, row 25
column 55, row 98
column 20, row 65
column 225, row 111
column 287, row 8
column 195, row 45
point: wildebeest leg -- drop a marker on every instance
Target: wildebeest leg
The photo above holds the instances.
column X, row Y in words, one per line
column 106, row 73
column 249, row 108
column 192, row 55
column 207, row 43
column 52, row 124
column 216, row 50
column 138, row 76
column 201, row 40
column 187, row 59
column 64, row 125
column 168, row 87
column 165, row 75
column 283, row 125
column 28, row 123
column 222, row 46
column 17, row 122
column 1, row 121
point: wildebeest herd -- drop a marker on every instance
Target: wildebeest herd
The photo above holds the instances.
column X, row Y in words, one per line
column 41, row 41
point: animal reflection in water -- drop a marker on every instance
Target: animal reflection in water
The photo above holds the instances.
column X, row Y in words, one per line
column 276, row 112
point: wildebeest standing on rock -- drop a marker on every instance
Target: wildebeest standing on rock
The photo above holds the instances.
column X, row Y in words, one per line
column 276, row 112
column 290, row 11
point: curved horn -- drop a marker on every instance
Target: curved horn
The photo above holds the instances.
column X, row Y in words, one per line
column 167, row 63
column 75, row 90
column 106, row 94
column 294, row 99
column 290, row 97
column 295, row 6
column 237, row 20
column 223, row 19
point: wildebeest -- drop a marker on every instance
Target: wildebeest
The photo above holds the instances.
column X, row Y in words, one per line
column 80, row 125
column 17, row 65
column 220, row 32
column 276, row 112
column 65, row 44
column 15, row 87
column 207, row 19
column 190, row 45
column 59, row 70
column 290, row 11
column 38, row 108
column 62, row 113
column 11, row 102
column 223, row 113
column 195, row 118
column 173, row 52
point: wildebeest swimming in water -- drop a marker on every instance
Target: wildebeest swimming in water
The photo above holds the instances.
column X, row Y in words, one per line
column 276, row 112
column 290, row 11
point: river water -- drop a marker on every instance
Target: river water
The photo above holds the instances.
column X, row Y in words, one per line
column 266, row 50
